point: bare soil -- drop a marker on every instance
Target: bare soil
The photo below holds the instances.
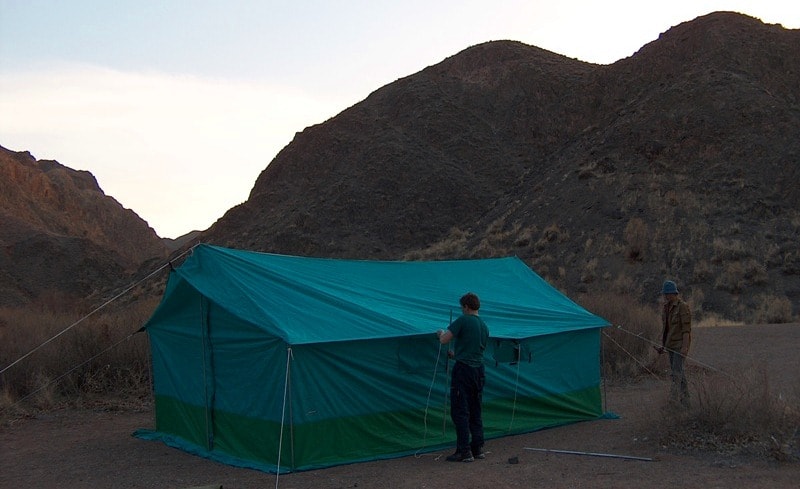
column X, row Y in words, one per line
column 92, row 448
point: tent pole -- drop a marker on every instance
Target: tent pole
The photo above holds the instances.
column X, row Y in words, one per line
column 283, row 415
column 573, row 452
column 603, row 371
column 208, row 369
column 291, row 414
column 516, row 389
column 446, row 376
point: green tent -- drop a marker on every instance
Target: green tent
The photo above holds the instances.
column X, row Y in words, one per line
column 285, row 363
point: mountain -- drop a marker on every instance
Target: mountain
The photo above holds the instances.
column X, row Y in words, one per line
column 62, row 238
column 681, row 161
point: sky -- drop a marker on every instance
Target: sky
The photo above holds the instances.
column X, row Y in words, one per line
column 176, row 106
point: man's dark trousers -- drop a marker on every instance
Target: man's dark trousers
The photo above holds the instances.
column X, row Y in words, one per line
column 466, row 393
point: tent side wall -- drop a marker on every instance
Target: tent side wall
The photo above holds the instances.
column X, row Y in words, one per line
column 214, row 378
column 555, row 381
column 355, row 401
column 367, row 400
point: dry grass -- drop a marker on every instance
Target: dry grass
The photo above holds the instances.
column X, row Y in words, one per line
column 734, row 413
column 711, row 320
column 773, row 310
column 453, row 245
column 637, row 239
column 739, row 413
column 64, row 356
column 726, row 250
column 552, row 234
column 627, row 345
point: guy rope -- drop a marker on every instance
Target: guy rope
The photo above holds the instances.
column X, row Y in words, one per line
column 82, row 319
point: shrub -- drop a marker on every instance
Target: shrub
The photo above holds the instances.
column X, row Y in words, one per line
column 67, row 356
column 589, row 272
column 524, row 237
column 496, row 241
column 755, row 272
column 729, row 250
column 712, row 320
column 453, row 245
column 733, row 414
column 695, row 300
column 627, row 345
column 622, row 284
column 702, row 271
column 636, row 237
column 552, row 234
column 773, row 309
column 732, row 278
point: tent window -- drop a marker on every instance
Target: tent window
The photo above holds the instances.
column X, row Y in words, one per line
column 510, row 351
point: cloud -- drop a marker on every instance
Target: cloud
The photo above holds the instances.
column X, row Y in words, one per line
column 178, row 150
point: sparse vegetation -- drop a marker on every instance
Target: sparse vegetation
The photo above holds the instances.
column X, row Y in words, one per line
column 95, row 358
column 636, row 237
column 773, row 309
column 734, row 413
column 702, row 271
column 731, row 279
column 711, row 320
column 627, row 343
column 552, row 234
column 729, row 413
column 726, row 250
column 454, row 244
column 589, row 271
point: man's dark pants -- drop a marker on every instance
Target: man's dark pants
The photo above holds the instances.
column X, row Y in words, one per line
column 466, row 394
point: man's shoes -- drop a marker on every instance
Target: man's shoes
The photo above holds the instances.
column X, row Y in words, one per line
column 461, row 457
column 479, row 453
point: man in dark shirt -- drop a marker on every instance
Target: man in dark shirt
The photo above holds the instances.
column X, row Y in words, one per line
column 466, row 386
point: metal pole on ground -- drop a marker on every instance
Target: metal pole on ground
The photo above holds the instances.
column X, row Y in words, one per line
column 592, row 454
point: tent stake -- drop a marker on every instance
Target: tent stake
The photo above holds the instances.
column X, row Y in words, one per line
column 572, row 452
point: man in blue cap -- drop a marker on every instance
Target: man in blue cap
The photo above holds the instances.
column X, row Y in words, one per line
column 676, row 319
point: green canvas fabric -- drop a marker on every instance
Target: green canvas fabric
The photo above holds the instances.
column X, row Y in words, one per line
column 340, row 356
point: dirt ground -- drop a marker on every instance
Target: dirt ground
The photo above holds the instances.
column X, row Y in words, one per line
column 94, row 448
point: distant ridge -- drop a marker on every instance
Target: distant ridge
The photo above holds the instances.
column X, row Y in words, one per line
column 181, row 241
column 61, row 236
column 681, row 161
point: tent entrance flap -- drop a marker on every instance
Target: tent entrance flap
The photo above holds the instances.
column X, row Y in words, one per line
column 208, row 373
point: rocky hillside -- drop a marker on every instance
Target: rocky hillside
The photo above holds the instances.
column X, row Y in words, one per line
column 682, row 162
column 61, row 237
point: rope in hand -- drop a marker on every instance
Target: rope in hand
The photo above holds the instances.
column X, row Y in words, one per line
column 428, row 402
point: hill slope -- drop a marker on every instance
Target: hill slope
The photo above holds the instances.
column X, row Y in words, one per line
column 682, row 161
column 61, row 236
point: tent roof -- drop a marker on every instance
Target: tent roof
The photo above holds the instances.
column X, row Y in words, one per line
column 313, row 300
